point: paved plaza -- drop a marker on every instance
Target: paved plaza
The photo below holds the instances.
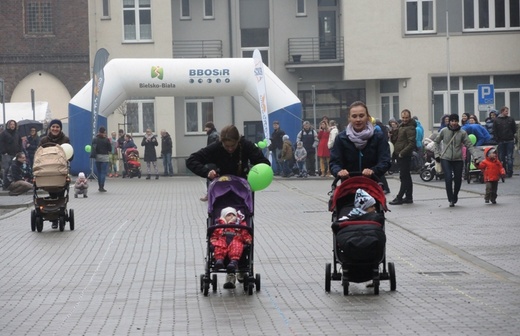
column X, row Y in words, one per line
column 132, row 265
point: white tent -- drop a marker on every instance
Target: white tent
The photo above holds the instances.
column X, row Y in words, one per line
column 20, row 111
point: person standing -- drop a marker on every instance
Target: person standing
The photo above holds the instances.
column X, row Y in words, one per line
column 100, row 152
column 309, row 137
column 150, row 156
column 489, row 126
column 113, row 159
column 166, row 152
column 276, row 146
column 33, row 140
column 212, row 133
column 359, row 148
column 504, row 130
column 448, row 151
column 10, row 145
column 120, row 152
column 333, row 133
column 323, row 148
column 419, row 137
column 404, row 146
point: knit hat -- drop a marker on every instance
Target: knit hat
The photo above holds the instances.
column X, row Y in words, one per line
column 285, row 137
column 81, row 175
column 56, row 121
column 454, row 117
column 363, row 200
column 227, row 211
column 489, row 150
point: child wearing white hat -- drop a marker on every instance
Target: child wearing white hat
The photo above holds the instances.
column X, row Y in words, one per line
column 81, row 186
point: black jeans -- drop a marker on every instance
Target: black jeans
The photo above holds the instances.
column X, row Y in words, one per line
column 405, row 176
column 453, row 177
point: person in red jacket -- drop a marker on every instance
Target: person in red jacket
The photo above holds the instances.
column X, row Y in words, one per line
column 323, row 148
column 229, row 241
column 493, row 170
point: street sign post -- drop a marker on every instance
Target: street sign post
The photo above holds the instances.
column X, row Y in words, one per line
column 486, row 97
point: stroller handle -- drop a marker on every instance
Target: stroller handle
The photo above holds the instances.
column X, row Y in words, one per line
column 353, row 174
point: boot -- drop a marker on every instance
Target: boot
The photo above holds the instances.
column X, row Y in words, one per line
column 148, row 177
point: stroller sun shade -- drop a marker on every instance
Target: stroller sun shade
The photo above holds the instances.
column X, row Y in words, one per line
column 229, row 183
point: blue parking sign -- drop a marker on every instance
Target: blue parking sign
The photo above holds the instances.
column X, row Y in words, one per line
column 486, row 94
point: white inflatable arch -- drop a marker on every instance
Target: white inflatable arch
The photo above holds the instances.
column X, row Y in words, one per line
column 148, row 78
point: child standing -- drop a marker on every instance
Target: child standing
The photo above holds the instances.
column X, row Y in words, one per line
column 287, row 156
column 493, row 170
column 81, row 186
column 300, row 155
column 229, row 242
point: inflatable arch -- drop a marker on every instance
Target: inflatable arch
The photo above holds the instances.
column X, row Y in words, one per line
column 148, row 78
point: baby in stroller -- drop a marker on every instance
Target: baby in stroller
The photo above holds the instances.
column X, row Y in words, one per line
column 229, row 241
column 132, row 163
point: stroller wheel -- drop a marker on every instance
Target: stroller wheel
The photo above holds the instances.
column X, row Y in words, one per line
column 201, row 282
column 71, row 219
column 214, row 282
column 61, row 223
column 376, row 287
column 391, row 271
column 33, row 220
column 328, row 277
column 39, row 223
column 257, row 282
column 345, row 288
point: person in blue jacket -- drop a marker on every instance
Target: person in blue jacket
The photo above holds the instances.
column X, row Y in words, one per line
column 359, row 148
column 479, row 131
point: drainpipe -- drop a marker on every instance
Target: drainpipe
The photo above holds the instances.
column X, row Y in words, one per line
column 230, row 28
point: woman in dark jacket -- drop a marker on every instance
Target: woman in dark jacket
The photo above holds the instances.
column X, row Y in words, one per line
column 150, row 157
column 231, row 155
column 101, row 149
column 10, row 144
column 358, row 148
column 33, row 140
column 55, row 135
column 19, row 176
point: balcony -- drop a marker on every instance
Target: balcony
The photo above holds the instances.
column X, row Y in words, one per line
column 197, row 49
column 304, row 52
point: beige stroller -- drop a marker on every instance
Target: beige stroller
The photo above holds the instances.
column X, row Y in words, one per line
column 51, row 174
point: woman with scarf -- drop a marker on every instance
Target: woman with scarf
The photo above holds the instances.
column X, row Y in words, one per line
column 358, row 148
column 150, row 156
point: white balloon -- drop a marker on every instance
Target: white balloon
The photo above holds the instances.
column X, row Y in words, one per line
column 69, row 151
column 391, row 148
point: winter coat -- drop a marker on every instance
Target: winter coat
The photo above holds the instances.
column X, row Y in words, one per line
column 504, row 128
column 479, row 132
column 419, row 134
column 166, row 144
column 332, row 136
column 492, row 168
column 287, row 151
column 31, row 146
column 323, row 143
column 405, row 142
column 276, row 140
column 81, row 184
column 60, row 139
column 452, row 149
column 236, row 163
column 218, row 237
column 18, row 171
column 149, row 145
column 128, row 144
column 489, row 125
column 213, row 136
column 300, row 154
column 101, row 148
column 345, row 155
column 10, row 140
column 309, row 139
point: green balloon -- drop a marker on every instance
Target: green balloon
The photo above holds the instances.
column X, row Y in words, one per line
column 88, row 148
column 260, row 176
column 472, row 138
column 261, row 144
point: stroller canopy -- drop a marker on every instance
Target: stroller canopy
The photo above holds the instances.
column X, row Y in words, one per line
column 222, row 185
column 350, row 185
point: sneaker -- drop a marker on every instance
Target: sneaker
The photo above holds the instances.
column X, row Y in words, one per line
column 110, row 175
column 452, row 204
column 396, row 201
column 370, row 284
column 241, row 276
column 219, row 264
column 232, row 266
column 486, row 201
column 116, row 175
column 407, row 201
column 54, row 224
column 230, row 281
column 204, row 198
column 102, row 190
column 494, row 202
column 85, row 196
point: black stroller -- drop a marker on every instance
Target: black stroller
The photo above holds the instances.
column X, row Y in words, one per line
column 363, row 257
column 230, row 191
column 51, row 174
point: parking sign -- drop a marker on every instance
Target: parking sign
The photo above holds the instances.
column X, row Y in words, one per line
column 486, row 97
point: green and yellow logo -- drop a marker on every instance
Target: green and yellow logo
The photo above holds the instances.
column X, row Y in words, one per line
column 158, row 72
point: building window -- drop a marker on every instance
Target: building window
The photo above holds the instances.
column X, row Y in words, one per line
column 140, row 115
column 256, row 38
column 301, row 8
column 137, row 20
column 389, row 98
column 491, row 15
column 464, row 95
column 39, row 17
column 420, row 16
column 208, row 9
column 198, row 112
column 106, row 8
column 185, row 10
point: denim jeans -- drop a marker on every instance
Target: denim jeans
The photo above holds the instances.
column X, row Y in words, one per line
column 453, row 178
column 505, row 155
column 101, row 172
column 167, row 164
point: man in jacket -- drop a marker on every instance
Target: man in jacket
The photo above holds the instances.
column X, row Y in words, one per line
column 276, row 147
column 404, row 146
column 309, row 137
column 166, row 152
column 504, row 129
